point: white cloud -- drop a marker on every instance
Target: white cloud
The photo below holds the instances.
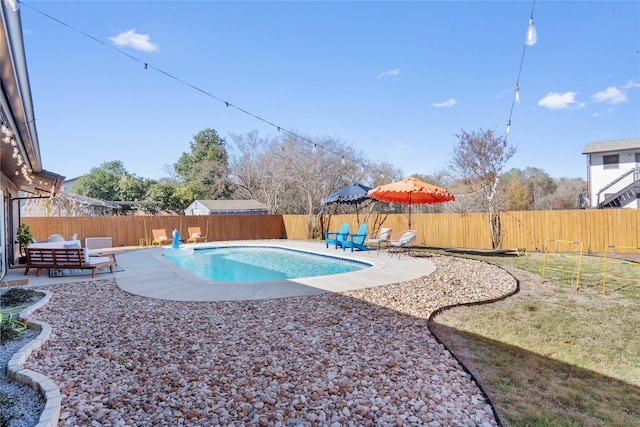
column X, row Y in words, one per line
column 505, row 92
column 631, row 85
column 390, row 73
column 135, row 40
column 610, row 95
column 559, row 101
column 449, row 103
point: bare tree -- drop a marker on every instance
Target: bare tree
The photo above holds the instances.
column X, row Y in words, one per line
column 292, row 174
column 526, row 189
column 57, row 205
column 565, row 195
column 318, row 170
column 256, row 168
column 478, row 160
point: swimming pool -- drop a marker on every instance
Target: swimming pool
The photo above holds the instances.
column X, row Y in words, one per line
column 261, row 264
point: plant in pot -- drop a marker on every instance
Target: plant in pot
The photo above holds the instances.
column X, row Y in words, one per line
column 24, row 238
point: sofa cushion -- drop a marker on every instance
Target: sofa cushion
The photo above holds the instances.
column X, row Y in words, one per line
column 55, row 245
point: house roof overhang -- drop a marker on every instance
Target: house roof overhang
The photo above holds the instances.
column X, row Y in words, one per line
column 609, row 146
column 20, row 159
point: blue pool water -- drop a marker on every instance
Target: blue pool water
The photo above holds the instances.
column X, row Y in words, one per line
column 257, row 264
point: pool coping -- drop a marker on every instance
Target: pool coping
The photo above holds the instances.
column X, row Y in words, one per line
column 146, row 273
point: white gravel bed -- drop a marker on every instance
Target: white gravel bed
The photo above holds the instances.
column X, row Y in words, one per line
column 360, row 358
column 19, row 403
column 26, row 403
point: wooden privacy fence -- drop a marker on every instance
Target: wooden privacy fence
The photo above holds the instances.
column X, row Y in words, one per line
column 595, row 228
column 521, row 229
column 468, row 230
column 526, row 229
column 130, row 230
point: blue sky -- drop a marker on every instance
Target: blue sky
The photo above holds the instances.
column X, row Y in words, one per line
column 395, row 80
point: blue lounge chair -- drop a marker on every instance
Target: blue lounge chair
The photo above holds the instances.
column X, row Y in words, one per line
column 337, row 238
column 357, row 240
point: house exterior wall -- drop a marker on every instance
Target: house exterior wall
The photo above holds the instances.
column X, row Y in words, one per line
column 225, row 207
column 196, row 208
column 9, row 251
column 599, row 176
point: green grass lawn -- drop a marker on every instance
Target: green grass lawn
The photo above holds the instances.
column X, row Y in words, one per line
column 552, row 355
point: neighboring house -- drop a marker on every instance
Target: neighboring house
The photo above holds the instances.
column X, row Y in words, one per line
column 613, row 173
column 226, row 207
column 68, row 204
column 21, row 171
column 88, row 205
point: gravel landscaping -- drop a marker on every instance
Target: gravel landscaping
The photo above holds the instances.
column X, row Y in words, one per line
column 363, row 357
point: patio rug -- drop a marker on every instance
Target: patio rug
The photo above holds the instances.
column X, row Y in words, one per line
column 67, row 272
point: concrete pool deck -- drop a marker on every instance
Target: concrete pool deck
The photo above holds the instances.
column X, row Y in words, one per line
column 147, row 273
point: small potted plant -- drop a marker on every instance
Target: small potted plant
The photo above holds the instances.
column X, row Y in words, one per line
column 24, row 238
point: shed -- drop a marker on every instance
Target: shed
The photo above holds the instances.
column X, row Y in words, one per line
column 226, row 207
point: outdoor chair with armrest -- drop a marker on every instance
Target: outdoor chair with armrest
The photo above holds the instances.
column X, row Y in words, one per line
column 337, row 238
column 382, row 236
column 160, row 237
column 195, row 235
column 403, row 242
column 356, row 240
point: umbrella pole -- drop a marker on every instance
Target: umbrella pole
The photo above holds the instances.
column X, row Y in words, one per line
column 409, row 211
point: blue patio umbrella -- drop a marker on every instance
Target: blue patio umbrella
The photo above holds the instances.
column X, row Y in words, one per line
column 352, row 194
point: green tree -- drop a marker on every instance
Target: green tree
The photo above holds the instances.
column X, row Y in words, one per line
column 162, row 192
column 204, row 171
column 112, row 182
column 519, row 197
column 538, row 184
column 102, row 182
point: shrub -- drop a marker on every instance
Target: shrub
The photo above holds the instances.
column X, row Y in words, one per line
column 7, row 333
column 6, row 402
column 17, row 296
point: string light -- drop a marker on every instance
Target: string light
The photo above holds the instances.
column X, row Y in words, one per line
column 8, row 138
column 530, row 39
column 314, row 145
column 532, row 35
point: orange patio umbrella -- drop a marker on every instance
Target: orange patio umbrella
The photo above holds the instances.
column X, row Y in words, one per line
column 411, row 191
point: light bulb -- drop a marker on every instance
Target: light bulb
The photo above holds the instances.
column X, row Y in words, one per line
column 517, row 93
column 508, row 127
column 532, row 36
